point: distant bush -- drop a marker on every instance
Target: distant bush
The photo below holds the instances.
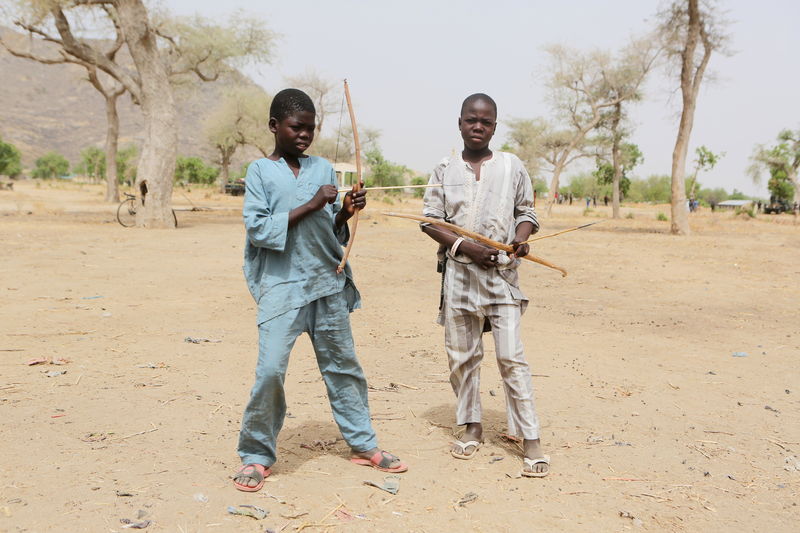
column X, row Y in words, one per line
column 588, row 211
column 629, row 215
column 9, row 160
column 194, row 170
column 51, row 165
column 419, row 180
column 662, row 217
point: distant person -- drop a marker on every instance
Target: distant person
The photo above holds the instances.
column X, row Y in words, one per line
column 605, row 200
column 480, row 290
column 295, row 231
column 588, row 201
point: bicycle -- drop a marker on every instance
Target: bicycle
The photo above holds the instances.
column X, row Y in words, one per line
column 126, row 212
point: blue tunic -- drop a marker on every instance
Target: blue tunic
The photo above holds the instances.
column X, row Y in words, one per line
column 288, row 268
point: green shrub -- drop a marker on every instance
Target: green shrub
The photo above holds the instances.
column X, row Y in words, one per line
column 661, row 217
column 51, row 165
column 629, row 215
column 194, row 170
column 9, row 160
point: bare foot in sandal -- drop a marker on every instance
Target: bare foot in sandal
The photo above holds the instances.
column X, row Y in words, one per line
column 536, row 463
column 470, row 441
column 250, row 478
column 379, row 459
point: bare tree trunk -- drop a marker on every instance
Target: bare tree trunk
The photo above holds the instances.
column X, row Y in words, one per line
column 156, row 168
column 112, row 140
column 792, row 175
column 225, row 154
column 615, row 196
column 615, row 161
column 691, row 77
column 554, row 187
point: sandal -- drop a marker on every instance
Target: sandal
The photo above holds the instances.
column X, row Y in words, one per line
column 464, row 445
column 253, row 471
column 381, row 461
column 543, row 460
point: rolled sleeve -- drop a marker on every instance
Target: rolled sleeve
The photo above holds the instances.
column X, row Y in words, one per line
column 523, row 200
column 264, row 228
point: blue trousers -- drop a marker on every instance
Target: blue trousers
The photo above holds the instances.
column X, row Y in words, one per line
column 327, row 322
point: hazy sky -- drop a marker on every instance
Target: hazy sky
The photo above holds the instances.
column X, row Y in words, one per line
column 410, row 64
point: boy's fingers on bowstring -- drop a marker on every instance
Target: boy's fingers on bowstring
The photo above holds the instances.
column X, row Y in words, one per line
column 329, row 193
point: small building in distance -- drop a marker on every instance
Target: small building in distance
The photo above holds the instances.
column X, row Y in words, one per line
column 733, row 204
column 345, row 173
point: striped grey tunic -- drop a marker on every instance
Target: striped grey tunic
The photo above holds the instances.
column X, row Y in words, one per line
column 472, row 296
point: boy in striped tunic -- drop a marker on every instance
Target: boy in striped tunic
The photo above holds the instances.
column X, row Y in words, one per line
column 488, row 193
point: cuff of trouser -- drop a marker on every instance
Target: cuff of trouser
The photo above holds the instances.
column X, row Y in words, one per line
column 256, row 460
column 371, row 445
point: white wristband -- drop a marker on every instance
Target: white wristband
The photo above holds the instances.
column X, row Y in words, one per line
column 454, row 248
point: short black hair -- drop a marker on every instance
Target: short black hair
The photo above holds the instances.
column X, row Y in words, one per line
column 288, row 102
column 478, row 96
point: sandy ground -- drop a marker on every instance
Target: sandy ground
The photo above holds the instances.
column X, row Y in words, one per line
column 651, row 422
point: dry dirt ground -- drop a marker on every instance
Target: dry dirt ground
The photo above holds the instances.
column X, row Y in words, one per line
column 651, row 421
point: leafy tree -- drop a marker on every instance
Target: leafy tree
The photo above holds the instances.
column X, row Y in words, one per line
column 126, row 164
column 9, row 160
column 585, row 87
column 383, row 173
column 194, row 170
column 654, row 189
column 241, row 118
column 165, row 51
column 712, row 196
column 705, row 161
column 629, row 156
column 92, row 163
column 51, row 165
column 419, row 180
column 782, row 161
column 690, row 31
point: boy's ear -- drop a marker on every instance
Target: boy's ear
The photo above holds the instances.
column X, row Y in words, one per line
column 459, row 122
column 273, row 124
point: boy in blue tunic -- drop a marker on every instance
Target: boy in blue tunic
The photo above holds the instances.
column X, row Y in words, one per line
column 295, row 232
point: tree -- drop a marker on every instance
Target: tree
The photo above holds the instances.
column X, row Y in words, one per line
column 627, row 157
column 51, row 165
column 584, row 87
column 106, row 86
column 705, row 161
column 782, row 161
column 655, row 189
column 241, row 118
column 691, row 31
column 92, row 163
column 9, row 160
column 194, row 170
column 164, row 50
column 383, row 173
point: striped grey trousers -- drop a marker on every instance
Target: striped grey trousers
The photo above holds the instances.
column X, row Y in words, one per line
column 473, row 295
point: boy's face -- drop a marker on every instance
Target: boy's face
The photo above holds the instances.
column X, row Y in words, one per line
column 294, row 134
column 477, row 124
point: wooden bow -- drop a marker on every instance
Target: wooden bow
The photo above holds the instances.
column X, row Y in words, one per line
column 357, row 146
column 478, row 237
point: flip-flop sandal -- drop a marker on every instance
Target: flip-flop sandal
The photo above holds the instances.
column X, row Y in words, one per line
column 381, row 461
column 543, row 460
column 254, row 471
column 464, row 446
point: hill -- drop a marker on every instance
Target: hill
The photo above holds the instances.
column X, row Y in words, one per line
column 54, row 107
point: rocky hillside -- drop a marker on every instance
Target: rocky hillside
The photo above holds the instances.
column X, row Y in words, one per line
column 54, row 107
